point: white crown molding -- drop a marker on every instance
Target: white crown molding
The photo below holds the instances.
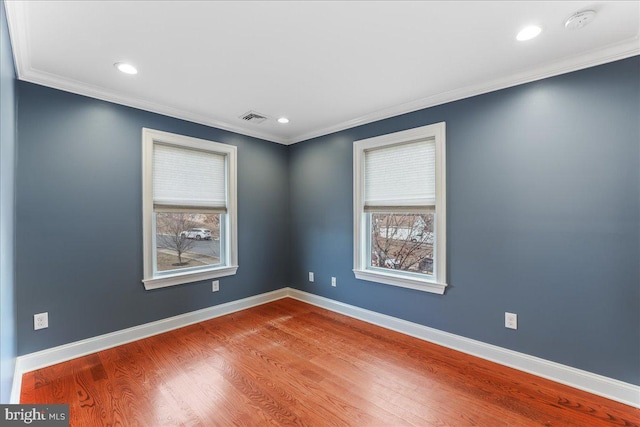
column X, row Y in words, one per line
column 18, row 29
column 79, row 88
column 611, row 53
column 593, row 383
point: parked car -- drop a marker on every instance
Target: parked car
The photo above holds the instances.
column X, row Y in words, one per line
column 197, row 233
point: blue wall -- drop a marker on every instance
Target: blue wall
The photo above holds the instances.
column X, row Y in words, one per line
column 543, row 219
column 7, row 211
column 79, row 219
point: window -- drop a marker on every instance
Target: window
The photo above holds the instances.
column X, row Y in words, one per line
column 189, row 209
column 400, row 209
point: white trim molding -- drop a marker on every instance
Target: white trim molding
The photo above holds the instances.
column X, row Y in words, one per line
column 361, row 234
column 609, row 388
column 397, row 280
column 154, row 279
column 18, row 30
column 600, row 56
column 52, row 356
column 16, row 385
column 189, row 277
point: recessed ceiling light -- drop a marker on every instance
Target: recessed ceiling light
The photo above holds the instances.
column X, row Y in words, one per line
column 528, row 33
column 126, row 68
column 283, row 120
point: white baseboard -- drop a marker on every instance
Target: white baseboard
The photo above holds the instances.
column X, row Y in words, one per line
column 593, row 383
column 16, row 385
column 51, row 356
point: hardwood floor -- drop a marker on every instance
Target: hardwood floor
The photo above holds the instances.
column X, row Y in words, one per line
column 290, row 363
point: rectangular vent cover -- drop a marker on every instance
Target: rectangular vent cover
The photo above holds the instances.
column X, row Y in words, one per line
column 253, row 117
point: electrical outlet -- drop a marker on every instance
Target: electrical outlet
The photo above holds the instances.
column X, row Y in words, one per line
column 40, row 321
column 333, row 281
column 511, row 320
column 215, row 286
column 311, row 276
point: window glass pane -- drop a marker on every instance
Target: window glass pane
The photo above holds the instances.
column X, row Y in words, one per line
column 402, row 241
column 187, row 240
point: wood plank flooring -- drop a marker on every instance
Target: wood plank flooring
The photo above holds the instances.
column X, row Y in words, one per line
column 290, row 363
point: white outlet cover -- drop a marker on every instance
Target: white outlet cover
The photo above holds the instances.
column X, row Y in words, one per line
column 215, row 286
column 510, row 320
column 40, row 321
column 333, row 281
column 311, row 276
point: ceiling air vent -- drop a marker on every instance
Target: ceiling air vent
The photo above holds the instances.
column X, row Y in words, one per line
column 253, row 117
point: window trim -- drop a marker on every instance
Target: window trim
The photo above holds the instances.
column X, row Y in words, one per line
column 151, row 137
column 437, row 283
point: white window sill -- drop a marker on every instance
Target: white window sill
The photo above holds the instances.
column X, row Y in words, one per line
column 188, row 277
column 403, row 281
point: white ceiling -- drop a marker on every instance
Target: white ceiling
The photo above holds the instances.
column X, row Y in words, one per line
column 325, row 65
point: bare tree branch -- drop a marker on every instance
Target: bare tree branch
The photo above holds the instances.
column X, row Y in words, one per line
column 170, row 228
column 402, row 241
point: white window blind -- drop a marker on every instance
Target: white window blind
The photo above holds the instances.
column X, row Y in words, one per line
column 400, row 177
column 188, row 180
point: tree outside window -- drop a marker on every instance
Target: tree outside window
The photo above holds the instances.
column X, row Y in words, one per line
column 402, row 241
column 186, row 240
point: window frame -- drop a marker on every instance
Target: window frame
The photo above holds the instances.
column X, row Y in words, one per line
column 436, row 283
column 151, row 279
